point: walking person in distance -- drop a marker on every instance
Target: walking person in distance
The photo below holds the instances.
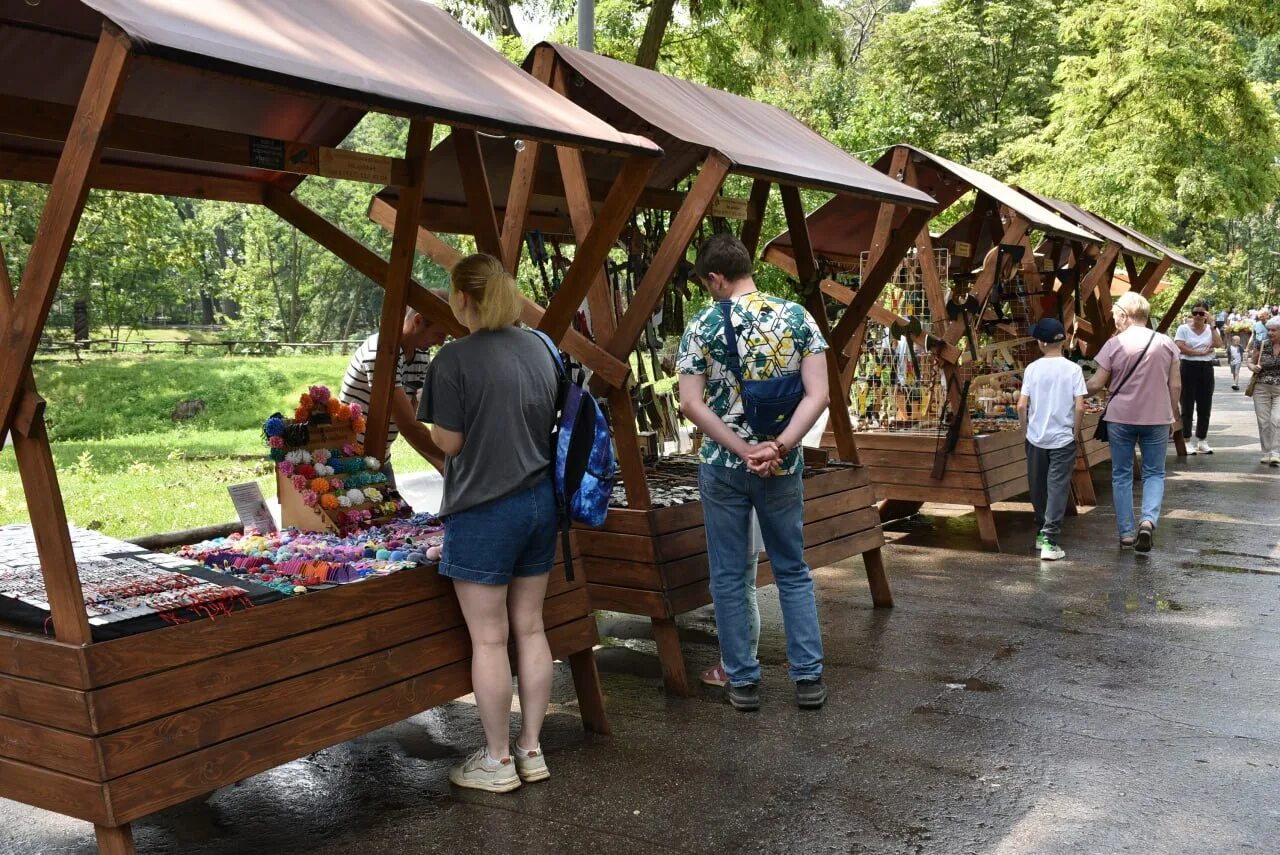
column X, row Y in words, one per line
column 1139, row 368
column 1197, row 344
column 1264, row 362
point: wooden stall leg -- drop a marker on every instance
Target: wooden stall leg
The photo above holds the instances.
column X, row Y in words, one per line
column 987, row 527
column 897, row 509
column 1082, row 483
column 881, row 596
column 586, row 680
column 115, row 839
column 674, row 675
column 1180, row 443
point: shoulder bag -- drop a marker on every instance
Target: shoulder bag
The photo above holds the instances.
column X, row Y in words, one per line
column 1100, row 432
column 767, row 405
column 1253, row 381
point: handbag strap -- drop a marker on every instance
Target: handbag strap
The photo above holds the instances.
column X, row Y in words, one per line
column 1115, row 390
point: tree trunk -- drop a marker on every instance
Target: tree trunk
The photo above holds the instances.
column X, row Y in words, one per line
column 500, row 17
column 654, row 32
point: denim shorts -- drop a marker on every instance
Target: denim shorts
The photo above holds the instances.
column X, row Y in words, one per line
column 511, row 536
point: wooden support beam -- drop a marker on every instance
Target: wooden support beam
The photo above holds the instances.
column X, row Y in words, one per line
column 399, row 273
column 1095, row 282
column 610, row 369
column 630, row 459
column 838, row 420
column 48, row 120
column 1131, row 269
column 884, row 216
column 1172, row 315
column 986, row 280
column 44, row 498
column 39, row 169
column 873, row 282
column 577, row 194
column 361, row 258
column 63, row 207
column 479, row 196
column 588, row 262
column 757, row 204
column 672, row 250
column 1151, row 276
column 520, row 190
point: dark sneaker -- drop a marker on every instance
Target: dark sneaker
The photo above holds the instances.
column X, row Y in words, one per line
column 744, row 698
column 810, row 694
column 1146, row 537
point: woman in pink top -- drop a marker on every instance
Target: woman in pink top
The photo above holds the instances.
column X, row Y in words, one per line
column 1139, row 367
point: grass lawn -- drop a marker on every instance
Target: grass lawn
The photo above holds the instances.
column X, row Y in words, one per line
column 126, row 469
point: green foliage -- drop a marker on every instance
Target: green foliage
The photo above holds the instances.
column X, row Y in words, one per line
column 116, row 396
column 962, row 78
column 1156, row 121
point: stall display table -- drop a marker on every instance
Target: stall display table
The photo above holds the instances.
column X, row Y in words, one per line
column 654, row 562
column 115, row 730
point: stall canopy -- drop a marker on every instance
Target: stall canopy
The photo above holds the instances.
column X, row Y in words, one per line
column 291, row 73
column 1100, row 226
column 841, row 230
column 689, row 121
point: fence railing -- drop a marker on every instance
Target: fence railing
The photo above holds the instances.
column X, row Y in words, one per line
column 243, row 347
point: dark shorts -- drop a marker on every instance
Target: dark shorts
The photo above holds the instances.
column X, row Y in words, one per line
column 511, row 536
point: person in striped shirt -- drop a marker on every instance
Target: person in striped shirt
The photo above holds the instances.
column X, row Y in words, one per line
column 418, row 335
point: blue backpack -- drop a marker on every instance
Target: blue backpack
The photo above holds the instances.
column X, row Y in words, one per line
column 584, row 466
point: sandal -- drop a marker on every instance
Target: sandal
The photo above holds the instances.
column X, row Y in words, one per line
column 715, row 676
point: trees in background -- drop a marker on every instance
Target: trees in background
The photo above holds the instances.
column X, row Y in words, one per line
column 1164, row 114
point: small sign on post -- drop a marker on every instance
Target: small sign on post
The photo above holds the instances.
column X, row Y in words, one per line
column 251, row 507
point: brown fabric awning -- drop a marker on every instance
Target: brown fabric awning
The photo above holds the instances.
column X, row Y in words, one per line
column 299, row 70
column 689, row 120
column 841, row 229
column 1177, row 258
column 1100, row 226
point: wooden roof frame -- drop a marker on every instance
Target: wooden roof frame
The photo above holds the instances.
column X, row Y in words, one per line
column 589, row 283
column 83, row 133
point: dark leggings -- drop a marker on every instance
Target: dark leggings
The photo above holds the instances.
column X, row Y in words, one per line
column 1197, row 391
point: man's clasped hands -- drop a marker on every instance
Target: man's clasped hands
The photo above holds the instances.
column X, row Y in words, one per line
column 762, row 458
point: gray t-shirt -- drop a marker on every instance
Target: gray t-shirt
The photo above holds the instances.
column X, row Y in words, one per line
column 498, row 389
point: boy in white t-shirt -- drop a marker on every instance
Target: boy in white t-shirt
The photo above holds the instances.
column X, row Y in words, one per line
column 1050, row 409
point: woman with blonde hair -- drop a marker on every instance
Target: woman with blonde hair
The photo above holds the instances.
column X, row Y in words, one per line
column 1139, row 368
column 491, row 400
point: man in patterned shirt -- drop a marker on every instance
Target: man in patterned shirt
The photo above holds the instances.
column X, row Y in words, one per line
column 742, row 470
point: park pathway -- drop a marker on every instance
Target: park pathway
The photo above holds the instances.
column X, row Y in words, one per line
column 1106, row 703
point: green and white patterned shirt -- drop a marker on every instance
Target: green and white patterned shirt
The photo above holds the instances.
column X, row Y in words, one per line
column 774, row 335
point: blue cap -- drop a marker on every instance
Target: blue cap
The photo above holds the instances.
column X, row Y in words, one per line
column 1048, row 330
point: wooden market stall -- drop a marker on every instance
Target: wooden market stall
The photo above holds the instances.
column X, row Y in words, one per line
column 1123, row 243
column 949, row 333
column 237, row 100
column 648, row 559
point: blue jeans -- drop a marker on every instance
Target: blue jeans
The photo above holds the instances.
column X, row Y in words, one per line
column 1154, row 442
column 728, row 495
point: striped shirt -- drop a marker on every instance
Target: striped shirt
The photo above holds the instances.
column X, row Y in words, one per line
column 357, row 385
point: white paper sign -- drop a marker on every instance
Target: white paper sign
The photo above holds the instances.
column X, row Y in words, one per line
column 251, row 506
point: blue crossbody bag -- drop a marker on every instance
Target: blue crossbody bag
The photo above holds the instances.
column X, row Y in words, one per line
column 767, row 405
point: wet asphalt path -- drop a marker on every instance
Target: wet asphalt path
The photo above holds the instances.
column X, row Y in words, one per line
column 1105, row 703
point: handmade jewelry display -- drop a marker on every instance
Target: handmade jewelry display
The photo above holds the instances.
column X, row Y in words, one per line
column 123, row 585
column 323, row 478
column 294, row 561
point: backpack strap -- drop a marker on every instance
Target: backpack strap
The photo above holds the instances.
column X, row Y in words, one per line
column 562, row 509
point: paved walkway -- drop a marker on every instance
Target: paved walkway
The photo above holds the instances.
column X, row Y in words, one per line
column 1106, row 703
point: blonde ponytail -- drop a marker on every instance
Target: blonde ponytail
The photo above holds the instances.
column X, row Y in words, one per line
column 492, row 291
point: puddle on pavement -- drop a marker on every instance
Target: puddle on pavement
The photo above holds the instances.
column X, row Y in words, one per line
column 1231, row 568
column 1133, row 602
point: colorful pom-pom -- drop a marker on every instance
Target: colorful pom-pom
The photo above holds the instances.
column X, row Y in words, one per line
column 329, row 501
column 285, row 468
column 319, row 394
column 321, row 455
column 276, row 454
column 310, row 498
column 276, row 442
column 299, row 482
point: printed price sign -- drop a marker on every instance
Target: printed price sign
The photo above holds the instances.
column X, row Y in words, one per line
column 251, row 507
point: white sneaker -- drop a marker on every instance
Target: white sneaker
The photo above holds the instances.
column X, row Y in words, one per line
column 531, row 765
column 478, row 772
column 1049, row 551
column 1203, row 447
column 1268, row 458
